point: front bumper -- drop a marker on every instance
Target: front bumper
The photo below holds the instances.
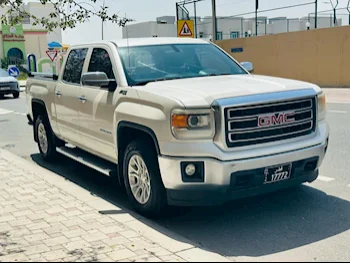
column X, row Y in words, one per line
column 228, row 180
column 11, row 88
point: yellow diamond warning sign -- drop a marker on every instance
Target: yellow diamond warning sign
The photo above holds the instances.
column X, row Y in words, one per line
column 185, row 28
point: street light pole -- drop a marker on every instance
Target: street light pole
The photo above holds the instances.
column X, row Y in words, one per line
column 213, row 3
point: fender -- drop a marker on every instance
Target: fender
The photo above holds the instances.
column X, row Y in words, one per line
column 42, row 103
column 142, row 128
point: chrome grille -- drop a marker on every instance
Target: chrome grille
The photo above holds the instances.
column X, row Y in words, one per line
column 262, row 123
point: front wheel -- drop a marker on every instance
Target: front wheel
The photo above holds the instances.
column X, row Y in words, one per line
column 16, row 95
column 45, row 137
column 142, row 179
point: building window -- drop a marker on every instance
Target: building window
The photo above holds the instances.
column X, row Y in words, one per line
column 235, row 34
column 201, row 34
column 219, row 36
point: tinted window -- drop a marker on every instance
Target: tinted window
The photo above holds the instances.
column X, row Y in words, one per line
column 74, row 66
column 100, row 61
column 161, row 62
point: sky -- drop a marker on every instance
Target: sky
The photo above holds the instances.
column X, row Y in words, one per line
column 148, row 10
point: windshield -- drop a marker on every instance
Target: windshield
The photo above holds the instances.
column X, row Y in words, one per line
column 143, row 64
column 3, row 73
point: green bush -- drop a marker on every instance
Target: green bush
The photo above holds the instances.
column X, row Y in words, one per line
column 22, row 76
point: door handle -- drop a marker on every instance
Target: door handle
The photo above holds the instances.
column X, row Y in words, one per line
column 82, row 99
column 58, row 94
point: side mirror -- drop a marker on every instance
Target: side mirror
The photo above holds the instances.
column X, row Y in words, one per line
column 248, row 66
column 96, row 79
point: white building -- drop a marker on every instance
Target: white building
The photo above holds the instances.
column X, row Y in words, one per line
column 227, row 27
column 163, row 27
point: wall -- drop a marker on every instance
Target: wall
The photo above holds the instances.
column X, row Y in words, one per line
column 36, row 43
column 320, row 56
column 40, row 10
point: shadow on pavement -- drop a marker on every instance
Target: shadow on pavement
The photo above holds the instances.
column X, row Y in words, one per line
column 251, row 227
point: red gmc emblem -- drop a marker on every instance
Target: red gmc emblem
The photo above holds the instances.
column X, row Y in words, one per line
column 276, row 119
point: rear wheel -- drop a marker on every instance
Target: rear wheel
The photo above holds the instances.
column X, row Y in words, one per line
column 142, row 179
column 2, row 96
column 46, row 141
column 16, row 95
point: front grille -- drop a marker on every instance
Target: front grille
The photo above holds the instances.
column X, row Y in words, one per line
column 269, row 122
column 6, row 84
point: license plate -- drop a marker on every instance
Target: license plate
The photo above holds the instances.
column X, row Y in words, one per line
column 5, row 88
column 277, row 173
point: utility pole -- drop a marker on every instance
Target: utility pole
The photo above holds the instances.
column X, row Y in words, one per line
column 316, row 10
column 195, row 19
column 213, row 3
column 348, row 8
column 256, row 16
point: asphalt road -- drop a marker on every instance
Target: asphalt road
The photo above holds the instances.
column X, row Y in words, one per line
column 308, row 223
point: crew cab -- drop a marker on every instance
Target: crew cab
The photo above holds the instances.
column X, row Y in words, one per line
column 178, row 122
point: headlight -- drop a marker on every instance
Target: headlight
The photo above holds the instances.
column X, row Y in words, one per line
column 321, row 106
column 193, row 124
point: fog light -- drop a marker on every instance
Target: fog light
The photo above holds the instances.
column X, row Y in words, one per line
column 190, row 170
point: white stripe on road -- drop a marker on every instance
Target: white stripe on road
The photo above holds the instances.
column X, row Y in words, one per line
column 3, row 112
column 338, row 111
column 20, row 113
column 325, row 178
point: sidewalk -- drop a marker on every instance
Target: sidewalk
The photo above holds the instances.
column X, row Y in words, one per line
column 46, row 218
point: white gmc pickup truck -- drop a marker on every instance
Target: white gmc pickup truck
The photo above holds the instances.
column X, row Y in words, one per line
column 178, row 122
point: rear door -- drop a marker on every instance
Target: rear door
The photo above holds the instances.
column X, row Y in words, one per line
column 67, row 96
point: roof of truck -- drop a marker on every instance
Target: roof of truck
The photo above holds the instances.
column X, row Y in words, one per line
column 145, row 41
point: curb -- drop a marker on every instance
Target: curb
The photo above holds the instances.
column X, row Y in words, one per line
column 175, row 243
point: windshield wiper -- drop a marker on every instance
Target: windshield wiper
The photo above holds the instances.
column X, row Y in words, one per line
column 143, row 83
column 214, row 74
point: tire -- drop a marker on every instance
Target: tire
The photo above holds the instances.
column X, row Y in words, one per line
column 2, row 96
column 46, row 141
column 16, row 95
column 156, row 203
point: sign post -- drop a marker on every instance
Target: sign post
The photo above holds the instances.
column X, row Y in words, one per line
column 185, row 28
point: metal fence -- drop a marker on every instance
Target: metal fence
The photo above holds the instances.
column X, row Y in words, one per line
column 260, row 22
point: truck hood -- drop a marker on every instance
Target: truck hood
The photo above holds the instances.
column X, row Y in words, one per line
column 8, row 79
column 202, row 92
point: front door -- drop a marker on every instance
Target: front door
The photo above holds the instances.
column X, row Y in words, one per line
column 97, row 110
column 66, row 96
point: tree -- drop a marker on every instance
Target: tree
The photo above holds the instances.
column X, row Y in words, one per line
column 70, row 12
